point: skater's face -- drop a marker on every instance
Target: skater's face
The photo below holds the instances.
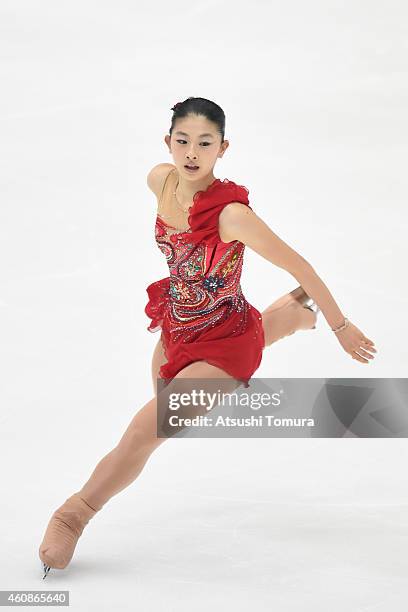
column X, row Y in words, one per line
column 195, row 140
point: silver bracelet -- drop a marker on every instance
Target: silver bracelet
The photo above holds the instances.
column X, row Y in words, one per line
column 346, row 322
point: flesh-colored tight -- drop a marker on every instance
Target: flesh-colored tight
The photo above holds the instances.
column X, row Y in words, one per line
column 121, row 466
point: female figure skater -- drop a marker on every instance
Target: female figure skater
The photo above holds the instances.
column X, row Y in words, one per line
column 208, row 329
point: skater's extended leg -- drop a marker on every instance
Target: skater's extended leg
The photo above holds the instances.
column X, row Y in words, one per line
column 119, row 468
column 124, row 463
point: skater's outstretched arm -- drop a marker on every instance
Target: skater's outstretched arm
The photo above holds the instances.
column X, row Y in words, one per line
column 238, row 222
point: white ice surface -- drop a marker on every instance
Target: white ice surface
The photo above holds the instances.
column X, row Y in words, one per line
column 315, row 95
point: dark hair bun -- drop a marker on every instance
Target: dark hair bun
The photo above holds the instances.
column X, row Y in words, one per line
column 177, row 104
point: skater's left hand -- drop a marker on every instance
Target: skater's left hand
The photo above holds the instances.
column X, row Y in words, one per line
column 356, row 343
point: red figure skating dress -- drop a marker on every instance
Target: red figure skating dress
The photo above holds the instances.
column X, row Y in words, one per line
column 200, row 307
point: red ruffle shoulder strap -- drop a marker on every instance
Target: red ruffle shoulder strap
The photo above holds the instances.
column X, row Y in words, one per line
column 207, row 206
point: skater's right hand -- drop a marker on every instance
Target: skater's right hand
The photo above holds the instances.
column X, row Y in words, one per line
column 356, row 343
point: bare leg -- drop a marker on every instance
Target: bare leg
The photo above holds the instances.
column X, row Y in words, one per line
column 124, row 463
column 113, row 473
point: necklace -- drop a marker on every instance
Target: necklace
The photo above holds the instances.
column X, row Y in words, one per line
column 178, row 203
column 180, row 208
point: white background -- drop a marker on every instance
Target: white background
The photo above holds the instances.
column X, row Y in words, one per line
column 315, row 95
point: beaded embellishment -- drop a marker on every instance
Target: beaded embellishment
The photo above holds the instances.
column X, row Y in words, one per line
column 201, row 294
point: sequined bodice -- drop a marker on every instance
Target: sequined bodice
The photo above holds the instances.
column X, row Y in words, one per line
column 204, row 280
